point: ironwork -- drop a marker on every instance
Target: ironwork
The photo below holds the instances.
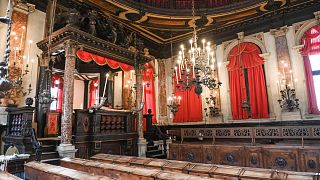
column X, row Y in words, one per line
column 288, row 99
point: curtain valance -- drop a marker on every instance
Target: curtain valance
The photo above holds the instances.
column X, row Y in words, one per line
column 87, row 57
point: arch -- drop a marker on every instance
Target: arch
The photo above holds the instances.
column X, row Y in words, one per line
column 246, row 39
column 303, row 29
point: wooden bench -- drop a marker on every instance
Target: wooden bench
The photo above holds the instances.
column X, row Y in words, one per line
column 123, row 172
column 42, row 171
column 204, row 170
column 7, row 176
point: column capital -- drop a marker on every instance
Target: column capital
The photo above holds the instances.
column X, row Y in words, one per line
column 317, row 16
column 25, row 8
column 71, row 47
column 280, row 31
column 265, row 56
column 43, row 60
column 298, row 48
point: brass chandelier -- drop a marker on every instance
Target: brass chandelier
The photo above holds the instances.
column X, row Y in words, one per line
column 196, row 66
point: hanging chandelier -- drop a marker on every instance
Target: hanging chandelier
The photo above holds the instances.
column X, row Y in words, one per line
column 196, row 66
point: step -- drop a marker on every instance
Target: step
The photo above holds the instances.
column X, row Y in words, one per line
column 48, row 148
column 54, row 161
column 153, row 152
column 47, row 155
column 158, row 156
column 149, row 148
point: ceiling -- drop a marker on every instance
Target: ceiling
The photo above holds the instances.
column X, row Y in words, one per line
column 166, row 21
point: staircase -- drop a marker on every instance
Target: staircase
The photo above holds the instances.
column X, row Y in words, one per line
column 154, row 151
column 49, row 154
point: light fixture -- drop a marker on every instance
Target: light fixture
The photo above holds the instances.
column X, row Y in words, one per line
column 174, row 103
column 196, row 66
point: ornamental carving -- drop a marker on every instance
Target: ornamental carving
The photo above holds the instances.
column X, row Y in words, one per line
column 230, row 158
column 190, row 156
column 223, row 132
column 311, row 164
column 206, row 132
column 267, row 132
column 280, row 162
column 241, row 132
column 190, row 132
column 254, row 160
column 295, row 131
column 316, row 131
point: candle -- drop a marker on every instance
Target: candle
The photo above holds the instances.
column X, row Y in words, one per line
column 30, row 43
column 278, row 87
column 143, row 90
column 179, row 63
column 175, row 69
column 15, row 56
column 203, row 42
column 105, row 84
column 219, row 65
column 32, row 62
column 23, row 27
column 291, row 81
column 131, row 74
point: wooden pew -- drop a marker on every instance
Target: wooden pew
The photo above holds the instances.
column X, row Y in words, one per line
column 123, row 172
column 42, row 171
column 205, row 170
column 7, row 176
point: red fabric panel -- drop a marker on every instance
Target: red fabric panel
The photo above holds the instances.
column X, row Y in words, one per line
column 246, row 55
column 93, row 92
column 311, row 41
column 190, row 109
column 312, row 99
column 149, row 92
column 55, row 78
column 87, row 57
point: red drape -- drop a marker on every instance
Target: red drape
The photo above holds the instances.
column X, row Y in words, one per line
column 190, row 109
column 311, row 41
column 149, row 91
column 87, row 57
column 246, row 55
column 57, row 81
column 93, row 92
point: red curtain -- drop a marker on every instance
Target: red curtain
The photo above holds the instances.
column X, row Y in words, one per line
column 87, row 57
column 246, row 56
column 149, row 91
column 311, row 41
column 93, row 92
column 57, row 81
column 190, row 109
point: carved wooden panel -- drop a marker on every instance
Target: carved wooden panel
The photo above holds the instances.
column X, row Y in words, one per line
column 83, row 150
column 309, row 160
column 253, row 157
column 174, row 152
column 281, row 158
column 229, row 155
column 208, row 154
column 191, row 153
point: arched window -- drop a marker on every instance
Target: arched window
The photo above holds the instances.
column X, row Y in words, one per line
column 149, row 91
column 311, row 59
column 247, row 82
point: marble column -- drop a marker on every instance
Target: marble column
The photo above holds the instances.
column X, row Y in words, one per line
column 66, row 149
column 284, row 68
column 142, row 143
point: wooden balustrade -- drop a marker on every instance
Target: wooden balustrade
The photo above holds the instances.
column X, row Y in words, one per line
column 42, row 171
column 204, row 170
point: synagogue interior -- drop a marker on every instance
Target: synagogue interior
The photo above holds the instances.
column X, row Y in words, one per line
column 159, row 89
